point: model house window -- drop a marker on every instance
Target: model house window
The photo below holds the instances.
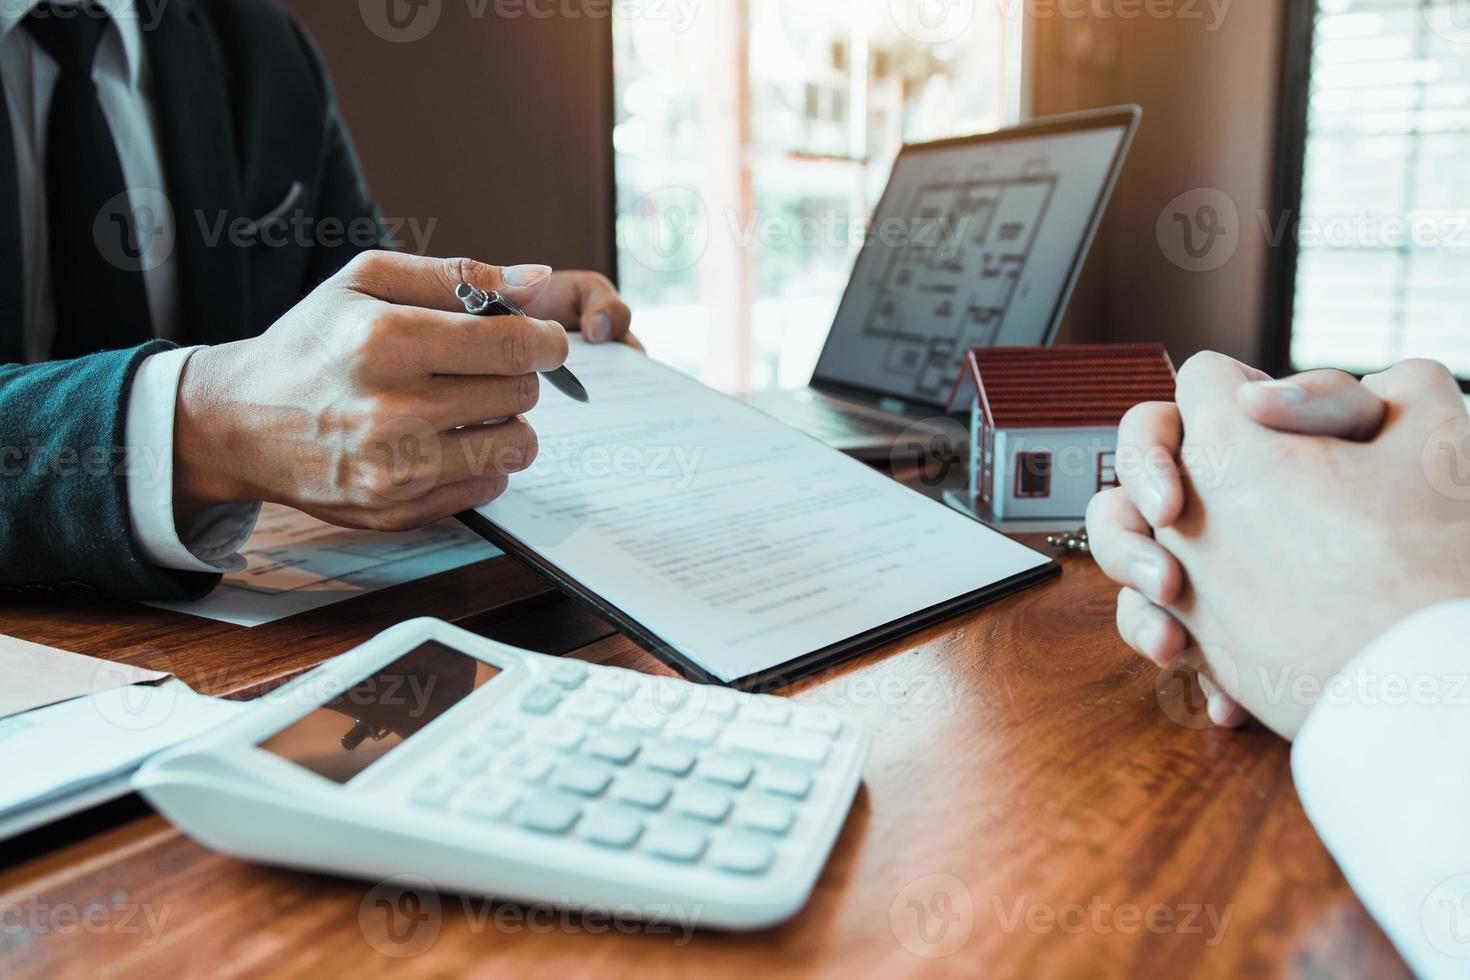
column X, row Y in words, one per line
column 1033, row 475
column 1382, row 245
column 1107, row 471
column 752, row 138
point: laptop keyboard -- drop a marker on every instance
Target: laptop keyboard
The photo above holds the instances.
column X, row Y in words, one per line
column 826, row 422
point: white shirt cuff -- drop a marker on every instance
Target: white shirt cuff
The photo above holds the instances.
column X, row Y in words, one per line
column 1382, row 766
column 210, row 540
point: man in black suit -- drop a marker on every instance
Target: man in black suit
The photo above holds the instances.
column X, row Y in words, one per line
column 196, row 316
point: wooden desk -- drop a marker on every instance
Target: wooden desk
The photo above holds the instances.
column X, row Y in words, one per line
column 1027, row 805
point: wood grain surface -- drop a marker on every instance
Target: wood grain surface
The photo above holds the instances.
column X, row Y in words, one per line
column 1039, row 803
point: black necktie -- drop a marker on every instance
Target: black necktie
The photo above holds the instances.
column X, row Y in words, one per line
column 96, row 259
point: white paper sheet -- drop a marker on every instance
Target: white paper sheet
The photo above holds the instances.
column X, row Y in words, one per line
column 739, row 541
column 58, row 758
column 298, row 563
column 33, row 676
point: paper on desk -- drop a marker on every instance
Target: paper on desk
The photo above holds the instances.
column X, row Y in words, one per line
column 33, row 676
column 69, row 749
column 298, row 563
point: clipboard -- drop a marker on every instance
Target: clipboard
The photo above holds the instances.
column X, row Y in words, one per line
column 774, row 678
column 764, row 556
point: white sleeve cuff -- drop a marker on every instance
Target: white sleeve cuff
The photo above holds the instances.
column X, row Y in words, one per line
column 210, row 540
column 1382, row 766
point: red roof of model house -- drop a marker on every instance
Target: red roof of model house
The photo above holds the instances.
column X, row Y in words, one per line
column 1063, row 387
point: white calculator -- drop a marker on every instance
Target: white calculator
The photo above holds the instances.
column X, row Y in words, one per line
column 488, row 770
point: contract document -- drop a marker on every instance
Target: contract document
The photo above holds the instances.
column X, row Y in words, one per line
column 734, row 547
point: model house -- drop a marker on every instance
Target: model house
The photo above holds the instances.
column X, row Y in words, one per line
column 1044, row 422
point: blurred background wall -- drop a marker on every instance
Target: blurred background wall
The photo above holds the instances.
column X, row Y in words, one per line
column 501, row 129
column 1210, row 116
column 497, row 128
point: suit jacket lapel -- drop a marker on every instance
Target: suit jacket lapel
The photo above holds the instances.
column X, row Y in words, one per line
column 199, row 164
column 12, row 257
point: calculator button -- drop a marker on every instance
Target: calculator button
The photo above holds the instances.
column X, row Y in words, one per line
column 742, row 855
column 718, row 702
column 784, row 782
column 776, row 743
column 661, row 696
column 561, row 734
column 541, row 699
column 500, row 732
column 671, row 759
column 613, row 748
column 644, row 723
column 528, row 765
column 592, row 707
column 568, row 673
column 435, row 791
column 700, row 730
column 471, row 759
column 641, row 789
column 771, row 817
column 821, row 720
column 547, row 814
column 611, row 828
column 675, row 842
column 617, row 682
column 723, row 769
column 705, row 804
column 490, row 800
column 583, row 779
column 766, row 712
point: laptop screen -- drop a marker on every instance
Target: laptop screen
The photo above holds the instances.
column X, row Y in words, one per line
column 976, row 243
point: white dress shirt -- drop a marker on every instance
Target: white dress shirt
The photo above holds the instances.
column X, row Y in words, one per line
column 1383, row 769
column 121, row 74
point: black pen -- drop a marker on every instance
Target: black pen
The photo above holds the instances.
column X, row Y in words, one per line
column 477, row 302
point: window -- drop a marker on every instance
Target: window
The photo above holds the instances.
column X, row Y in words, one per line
column 1382, row 250
column 752, row 138
column 1033, row 476
column 1107, row 471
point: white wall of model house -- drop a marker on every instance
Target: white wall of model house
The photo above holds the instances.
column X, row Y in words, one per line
column 1079, row 459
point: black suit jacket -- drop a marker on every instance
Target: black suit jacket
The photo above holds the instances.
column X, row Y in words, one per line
column 268, row 199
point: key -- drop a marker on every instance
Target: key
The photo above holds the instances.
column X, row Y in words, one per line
column 765, row 712
column 704, row 804
column 528, row 765
column 771, row 742
column 784, row 782
column 618, row 683
column 613, row 748
column 641, row 789
column 568, row 673
column 561, row 734
column 611, row 828
column 723, row 769
column 701, row 730
column 547, row 814
column 583, row 779
column 591, row 707
column 637, row 723
column 541, row 699
column 675, row 842
column 742, row 855
column 720, row 703
column 470, row 759
column 771, row 817
column 671, row 759
column 821, row 720
column 435, row 790
column 490, row 800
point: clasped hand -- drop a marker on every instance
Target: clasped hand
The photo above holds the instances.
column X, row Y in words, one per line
column 1278, row 527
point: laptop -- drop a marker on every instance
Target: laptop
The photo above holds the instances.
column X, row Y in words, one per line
column 977, row 242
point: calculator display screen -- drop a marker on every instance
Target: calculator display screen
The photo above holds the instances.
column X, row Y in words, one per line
column 362, row 725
